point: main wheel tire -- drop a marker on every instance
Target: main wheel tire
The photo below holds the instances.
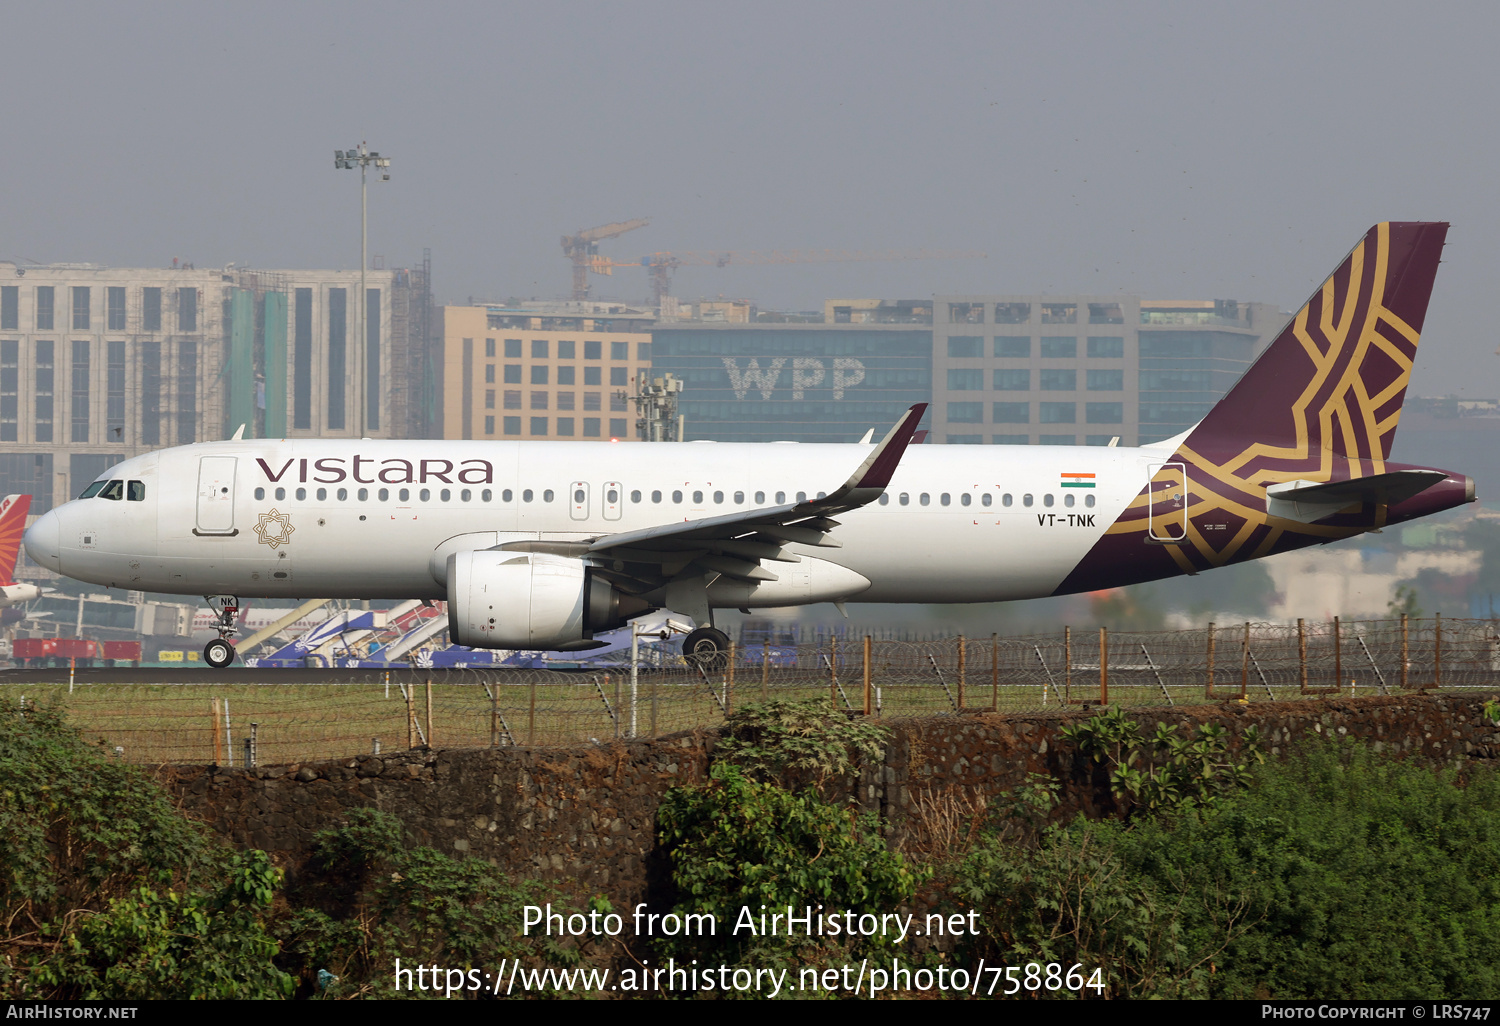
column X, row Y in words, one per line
column 218, row 653
column 708, row 648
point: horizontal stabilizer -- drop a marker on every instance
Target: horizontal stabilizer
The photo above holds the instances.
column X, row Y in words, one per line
column 1307, row 501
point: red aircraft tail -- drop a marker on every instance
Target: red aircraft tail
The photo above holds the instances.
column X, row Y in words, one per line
column 13, row 510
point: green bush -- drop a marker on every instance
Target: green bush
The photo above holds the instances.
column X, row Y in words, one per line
column 371, row 900
column 108, row 892
column 1165, row 772
column 1071, row 899
column 1360, row 877
column 806, row 739
column 744, row 844
column 80, row 826
column 1338, row 874
column 166, row 944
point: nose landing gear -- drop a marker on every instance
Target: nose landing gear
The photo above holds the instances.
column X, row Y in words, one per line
column 219, row 653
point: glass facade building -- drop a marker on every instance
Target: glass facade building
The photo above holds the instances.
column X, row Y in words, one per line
column 1183, row 373
column 1083, row 370
column 794, row 382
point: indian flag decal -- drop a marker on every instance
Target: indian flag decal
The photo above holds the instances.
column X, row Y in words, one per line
column 1078, row 480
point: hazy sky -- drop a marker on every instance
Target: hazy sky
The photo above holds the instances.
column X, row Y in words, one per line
column 1172, row 150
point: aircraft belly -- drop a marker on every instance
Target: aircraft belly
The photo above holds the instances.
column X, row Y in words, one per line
column 960, row 557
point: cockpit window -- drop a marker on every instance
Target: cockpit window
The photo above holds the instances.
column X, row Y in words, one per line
column 113, row 490
column 135, row 491
column 93, row 489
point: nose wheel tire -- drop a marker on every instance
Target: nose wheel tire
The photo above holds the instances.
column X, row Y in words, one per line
column 707, row 648
column 218, row 653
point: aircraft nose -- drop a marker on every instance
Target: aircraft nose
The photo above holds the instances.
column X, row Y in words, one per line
column 43, row 541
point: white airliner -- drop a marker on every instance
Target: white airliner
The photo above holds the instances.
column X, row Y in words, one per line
column 538, row 545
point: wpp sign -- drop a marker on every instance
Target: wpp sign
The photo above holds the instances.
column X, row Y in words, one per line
column 805, row 372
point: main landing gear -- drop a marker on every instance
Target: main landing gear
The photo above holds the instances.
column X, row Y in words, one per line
column 219, row 653
column 707, row 648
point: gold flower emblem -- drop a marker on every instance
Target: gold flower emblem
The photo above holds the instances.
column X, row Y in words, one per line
column 275, row 528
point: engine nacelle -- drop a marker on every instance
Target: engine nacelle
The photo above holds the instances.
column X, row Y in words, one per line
column 530, row 600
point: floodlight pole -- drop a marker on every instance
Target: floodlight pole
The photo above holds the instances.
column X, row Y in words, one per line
column 346, row 159
column 361, row 331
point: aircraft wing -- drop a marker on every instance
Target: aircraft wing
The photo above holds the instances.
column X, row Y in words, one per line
column 734, row 544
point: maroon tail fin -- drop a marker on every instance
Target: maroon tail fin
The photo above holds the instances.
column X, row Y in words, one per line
column 12, row 526
column 1330, row 387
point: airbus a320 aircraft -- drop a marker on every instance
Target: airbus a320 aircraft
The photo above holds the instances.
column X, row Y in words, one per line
column 539, row 545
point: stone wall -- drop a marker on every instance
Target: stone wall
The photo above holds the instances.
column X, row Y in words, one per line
column 584, row 817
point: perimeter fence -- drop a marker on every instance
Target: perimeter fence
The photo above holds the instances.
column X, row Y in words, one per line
column 281, row 719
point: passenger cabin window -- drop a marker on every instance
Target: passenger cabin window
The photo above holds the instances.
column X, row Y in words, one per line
column 260, row 493
column 965, row 499
column 984, row 500
column 885, row 500
column 281, row 493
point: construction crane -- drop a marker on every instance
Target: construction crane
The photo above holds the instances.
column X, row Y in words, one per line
column 583, row 249
column 661, row 265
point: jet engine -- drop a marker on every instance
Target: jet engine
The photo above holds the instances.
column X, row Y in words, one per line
column 507, row 599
